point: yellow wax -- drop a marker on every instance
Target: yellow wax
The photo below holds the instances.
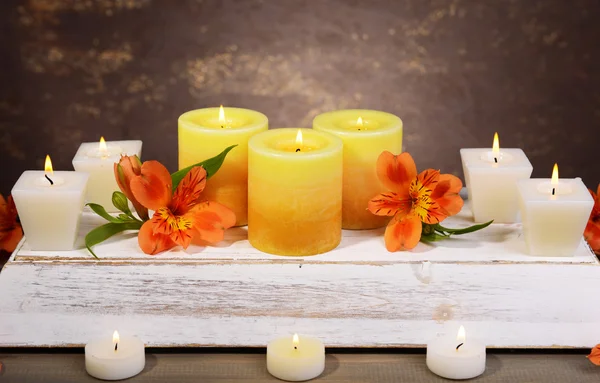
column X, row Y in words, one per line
column 202, row 136
column 362, row 145
column 294, row 197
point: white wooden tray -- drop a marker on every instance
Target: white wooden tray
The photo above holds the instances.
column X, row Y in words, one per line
column 358, row 295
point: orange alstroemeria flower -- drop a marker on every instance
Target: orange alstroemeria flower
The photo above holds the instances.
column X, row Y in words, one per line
column 413, row 199
column 10, row 230
column 179, row 217
column 592, row 230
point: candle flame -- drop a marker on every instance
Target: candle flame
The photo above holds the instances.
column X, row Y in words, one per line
column 102, row 145
column 462, row 335
column 48, row 166
column 299, row 138
column 296, row 340
column 359, row 122
column 222, row 120
column 496, row 146
column 116, row 337
column 554, row 180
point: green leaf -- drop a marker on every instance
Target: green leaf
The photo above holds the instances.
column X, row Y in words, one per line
column 211, row 166
column 432, row 237
column 121, row 202
column 101, row 211
column 102, row 233
column 465, row 230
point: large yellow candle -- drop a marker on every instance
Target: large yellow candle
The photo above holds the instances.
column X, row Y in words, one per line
column 294, row 191
column 204, row 133
column 365, row 133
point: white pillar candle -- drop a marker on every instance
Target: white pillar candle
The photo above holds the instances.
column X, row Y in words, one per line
column 456, row 357
column 115, row 359
column 49, row 212
column 295, row 359
column 491, row 176
column 98, row 160
column 554, row 213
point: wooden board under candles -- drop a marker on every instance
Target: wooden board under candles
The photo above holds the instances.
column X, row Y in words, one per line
column 358, row 295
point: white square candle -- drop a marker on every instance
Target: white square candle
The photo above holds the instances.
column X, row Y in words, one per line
column 50, row 213
column 98, row 160
column 491, row 179
column 553, row 224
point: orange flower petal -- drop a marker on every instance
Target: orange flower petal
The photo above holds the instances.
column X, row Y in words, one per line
column 177, row 227
column 424, row 206
column 210, row 220
column 403, row 234
column 188, row 191
column 446, row 194
column 152, row 243
column 594, row 356
column 592, row 235
column 396, row 172
column 389, row 204
column 153, row 187
column 10, row 239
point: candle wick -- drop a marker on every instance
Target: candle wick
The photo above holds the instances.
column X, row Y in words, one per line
column 457, row 347
column 295, row 347
column 553, row 191
column 49, row 180
column 116, row 346
column 222, row 126
column 495, row 159
column 297, row 150
column 358, row 128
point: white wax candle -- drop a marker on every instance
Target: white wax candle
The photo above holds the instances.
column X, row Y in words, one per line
column 553, row 225
column 99, row 163
column 49, row 213
column 446, row 359
column 295, row 359
column 492, row 185
column 104, row 362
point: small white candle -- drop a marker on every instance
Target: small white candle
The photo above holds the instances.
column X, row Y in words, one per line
column 295, row 359
column 456, row 357
column 98, row 160
column 491, row 177
column 115, row 359
column 554, row 213
column 49, row 205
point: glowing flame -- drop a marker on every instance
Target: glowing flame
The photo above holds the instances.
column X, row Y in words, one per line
column 554, row 180
column 295, row 340
column 116, row 337
column 359, row 122
column 48, row 166
column 299, row 138
column 222, row 119
column 102, row 145
column 496, row 146
column 462, row 335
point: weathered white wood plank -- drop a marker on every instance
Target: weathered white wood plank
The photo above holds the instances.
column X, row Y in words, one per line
column 506, row 305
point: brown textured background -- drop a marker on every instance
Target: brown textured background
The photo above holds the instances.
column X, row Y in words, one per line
column 454, row 70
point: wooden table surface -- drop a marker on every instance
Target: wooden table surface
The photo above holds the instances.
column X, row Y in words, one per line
column 515, row 367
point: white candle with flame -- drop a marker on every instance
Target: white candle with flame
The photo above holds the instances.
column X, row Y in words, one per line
column 295, row 359
column 456, row 357
column 491, row 177
column 49, row 205
column 98, row 159
column 554, row 213
column 114, row 359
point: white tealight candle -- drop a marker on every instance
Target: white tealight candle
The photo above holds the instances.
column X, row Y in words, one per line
column 295, row 359
column 456, row 357
column 49, row 205
column 491, row 177
column 115, row 359
column 98, row 160
column 554, row 213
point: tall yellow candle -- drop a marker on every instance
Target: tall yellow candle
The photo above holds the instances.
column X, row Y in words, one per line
column 294, row 191
column 204, row 133
column 365, row 133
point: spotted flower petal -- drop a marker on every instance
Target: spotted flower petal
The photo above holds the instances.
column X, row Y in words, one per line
column 151, row 242
column 396, row 172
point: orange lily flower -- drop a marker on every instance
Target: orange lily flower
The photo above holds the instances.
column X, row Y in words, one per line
column 179, row 217
column 10, row 230
column 592, row 230
column 413, row 199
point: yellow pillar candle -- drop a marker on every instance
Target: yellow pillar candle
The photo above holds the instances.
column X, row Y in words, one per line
column 294, row 191
column 204, row 133
column 365, row 133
